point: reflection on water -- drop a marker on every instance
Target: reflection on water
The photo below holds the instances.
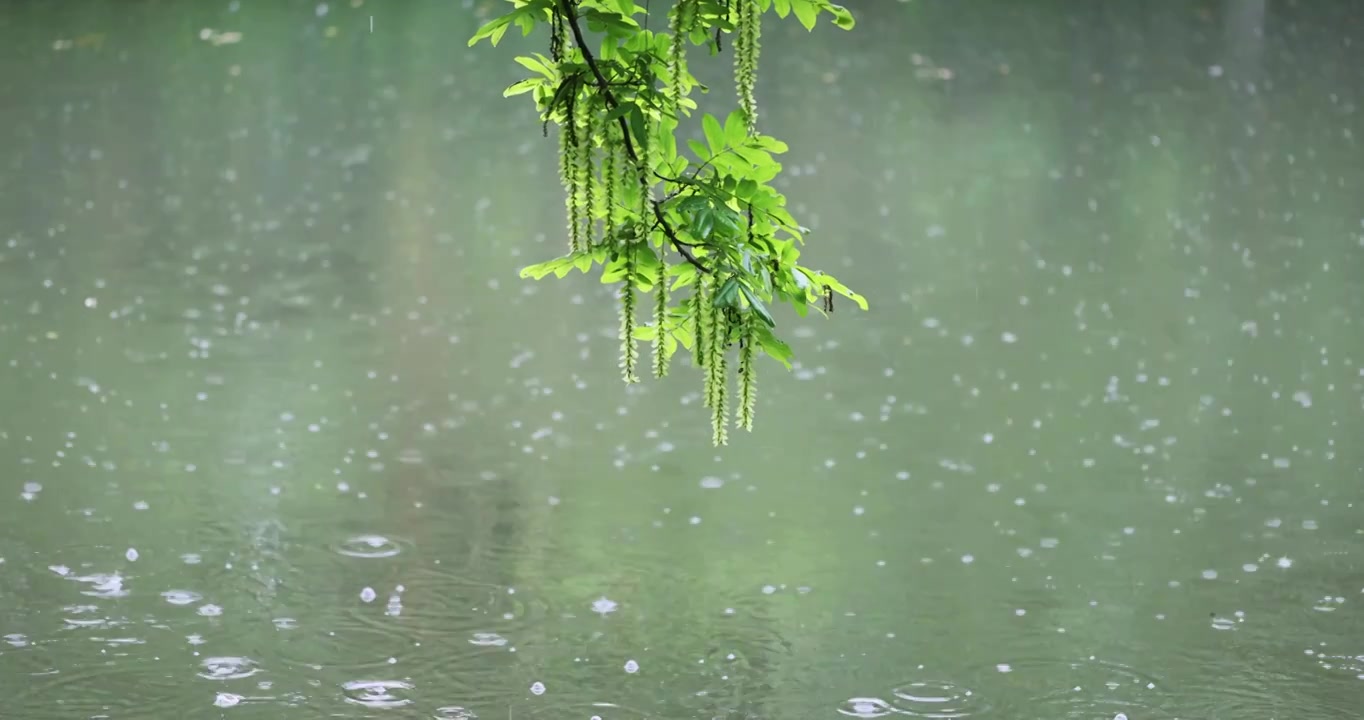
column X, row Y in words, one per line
column 289, row 438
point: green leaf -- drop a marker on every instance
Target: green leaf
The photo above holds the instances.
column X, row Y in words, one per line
column 686, row 275
column 806, row 12
column 838, row 287
column 535, row 65
column 646, row 263
column 615, row 271
column 758, row 307
column 684, row 333
column 540, row 270
column 522, row 86
column 842, row 17
column 774, row 347
column 728, row 220
column 736, row 130
column 703, row 223
column 746, row 189
column 620, row 110
column 783, row 7
column 728, row 295
column 699, row 148
column 637, row 126
column 493, row 29
column 715, row 135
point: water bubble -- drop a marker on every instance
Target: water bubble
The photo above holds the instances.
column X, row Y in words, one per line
column 377, row 694
column 537, row 688
column 369, row 546
column 367, row 595
column 131, row 555
column 210, row 610
column 712, row 483
column 453, row 712
column 631, row 666
column 603, row 606
column 227, row 668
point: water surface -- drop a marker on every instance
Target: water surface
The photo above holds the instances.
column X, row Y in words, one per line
column 287, row 436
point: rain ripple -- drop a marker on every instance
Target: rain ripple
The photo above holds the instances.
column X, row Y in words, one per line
column 378, row 694
column 227, row 668
column 181, row 597
column 917, row 699
column 369, row 546
column 867, row 708
column 126, row 687
column 1089, row 688
column 935, row 700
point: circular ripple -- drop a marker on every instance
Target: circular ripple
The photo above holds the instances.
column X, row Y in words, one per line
column 369, row 546
column 935, row 700
column 348, row 649
column 439, row 605
column 125, row 687
column 599, row 710
column 866, row 707
column 379, row 694
column 453, row 712
column 227, row 668
column 1088, row 688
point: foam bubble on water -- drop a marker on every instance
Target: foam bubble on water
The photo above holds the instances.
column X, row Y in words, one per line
column 537, row 688
column 631, row 666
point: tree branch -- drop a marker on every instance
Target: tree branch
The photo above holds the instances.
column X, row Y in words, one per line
column 572, row 17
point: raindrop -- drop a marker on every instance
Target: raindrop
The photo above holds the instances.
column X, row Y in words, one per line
column 631, row 666
column 866, row 708
column 227, row 668
column 603, row 606
column 369, row 546
column 377, row 694
column 537, row 688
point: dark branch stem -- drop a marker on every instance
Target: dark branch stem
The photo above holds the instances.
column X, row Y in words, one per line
column 572, row 17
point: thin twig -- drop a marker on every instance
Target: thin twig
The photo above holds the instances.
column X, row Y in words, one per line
column 572, row 17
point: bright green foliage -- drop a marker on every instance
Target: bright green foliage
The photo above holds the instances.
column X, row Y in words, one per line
column 654, row 217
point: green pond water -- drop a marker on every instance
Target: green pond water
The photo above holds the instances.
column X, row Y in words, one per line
column 285, row 436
